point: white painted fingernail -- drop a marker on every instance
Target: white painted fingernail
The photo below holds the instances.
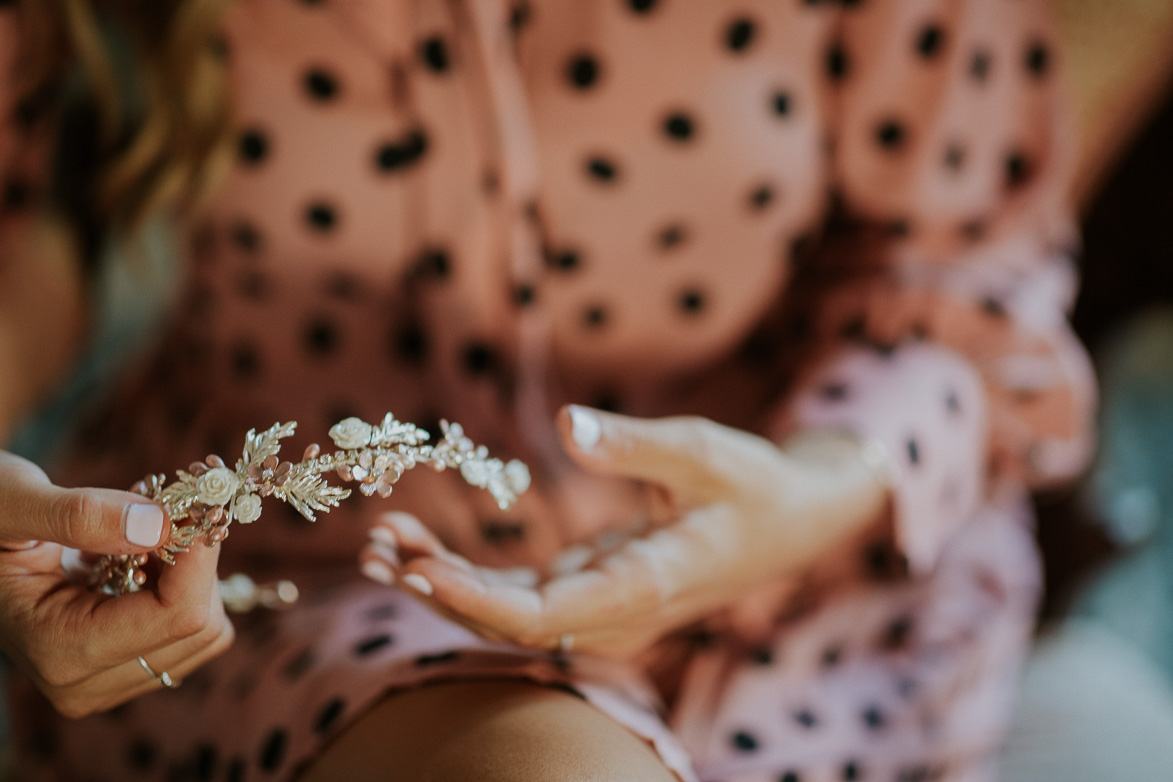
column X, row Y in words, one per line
column 377, row 571
column 383, row 535
column 142, row 523
column 418, row 583
column 585, row 428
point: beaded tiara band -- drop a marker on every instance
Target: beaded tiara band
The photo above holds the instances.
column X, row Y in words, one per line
column 204, row 500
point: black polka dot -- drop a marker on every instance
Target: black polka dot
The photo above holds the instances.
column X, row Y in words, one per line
column 501, row 533
column 246, row 237
column 641, row 6
column 854, row 328
column 679, row 126
column 300, row 664
column 1037, row 59
column 379, row 613
column 607, row 401
column 954, row 157
column 253, row 285
column 670, row 236
column 320, row 84
column 480, row 359
column 564, row 260
column 1018, row 170
column 206, row 759
column 834, row 392
column 837, row 62
column 993, row 307
column 692, row 301
column 273, row 750
column 519, row 16
column 434, row 54
column 583, row 71
column 979, row 65
column 442, row 658
column 761, row 197
column 601, row 169
column 328, row 715
column 246, row 363
column 952, row 403
column 342, row 285
column 762, row 655
column 790, row 776
column 236, row 770
column 832, row 656
column 872, row 717
column 320, row 337
column 142, row 754
column 896, row 634
column 434, row 263
column 321, row 217
column 252, row 147
column 930, row 42
column 897, row 229
column 973, row 230
column 913, row 451
column 743, row 742
column 781, row 104
column 890, row 134
column 410, row 345
column 402, row 154
column 524, row 295
column 16, row 196
column 739, row 34
column 851, row 771
column 594, row 317
column 369, row 646
column 806, row 718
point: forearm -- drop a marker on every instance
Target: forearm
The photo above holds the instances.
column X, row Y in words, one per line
column 42, row 319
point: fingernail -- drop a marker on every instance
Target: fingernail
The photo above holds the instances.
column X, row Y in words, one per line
column 418, row 583
column 143, row 523
column 377, row 571
column 383, row 535
column 584, row 428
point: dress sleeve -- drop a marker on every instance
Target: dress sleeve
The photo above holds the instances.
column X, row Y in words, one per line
column 938, row 300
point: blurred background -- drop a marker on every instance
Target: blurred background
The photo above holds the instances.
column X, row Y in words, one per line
column 1097, row 699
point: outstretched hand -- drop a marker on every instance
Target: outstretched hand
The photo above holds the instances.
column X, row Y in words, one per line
column 80, row 648
column 746, row 512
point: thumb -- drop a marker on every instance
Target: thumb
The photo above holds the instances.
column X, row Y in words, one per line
column 103, row 521
column 687, row 455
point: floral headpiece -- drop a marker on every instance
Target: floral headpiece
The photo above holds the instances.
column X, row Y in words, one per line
column 205, row 499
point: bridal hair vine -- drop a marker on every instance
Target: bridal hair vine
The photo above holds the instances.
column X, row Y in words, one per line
column 209, row 496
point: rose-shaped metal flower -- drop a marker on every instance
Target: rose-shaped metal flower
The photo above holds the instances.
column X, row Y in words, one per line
column 268, row 475
column 246, row 508
column 352, row 433
column 217, row 486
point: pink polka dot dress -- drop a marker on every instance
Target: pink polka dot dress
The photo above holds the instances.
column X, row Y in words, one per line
column 779, row 214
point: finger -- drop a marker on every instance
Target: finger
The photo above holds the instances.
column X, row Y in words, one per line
column 692, row 456
column 100, row 520
column 130, row 680
column 508, row 610
column 181, row 605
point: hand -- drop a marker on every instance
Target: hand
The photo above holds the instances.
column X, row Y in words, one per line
column 747, row 512
column 79, row 647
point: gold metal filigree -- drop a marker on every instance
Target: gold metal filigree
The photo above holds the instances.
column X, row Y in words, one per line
column 209, row 496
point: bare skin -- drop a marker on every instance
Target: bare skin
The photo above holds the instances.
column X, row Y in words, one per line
column 490, row 731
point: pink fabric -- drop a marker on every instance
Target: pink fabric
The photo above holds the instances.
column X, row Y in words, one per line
column 778, row 215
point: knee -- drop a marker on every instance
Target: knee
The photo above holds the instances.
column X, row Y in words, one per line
column 545, row 735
